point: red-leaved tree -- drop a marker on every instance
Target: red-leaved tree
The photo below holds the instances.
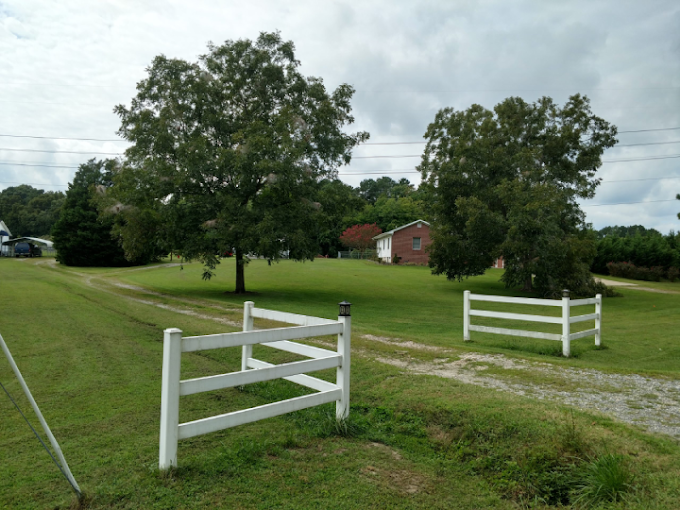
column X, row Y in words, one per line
column 360, row 237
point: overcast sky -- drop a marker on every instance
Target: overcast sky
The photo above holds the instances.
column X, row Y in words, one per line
column 65, row 64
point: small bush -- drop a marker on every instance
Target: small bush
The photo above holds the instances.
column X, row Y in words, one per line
column 656, row 273
column 622, row 269
column 649, row 274
column 605, row 479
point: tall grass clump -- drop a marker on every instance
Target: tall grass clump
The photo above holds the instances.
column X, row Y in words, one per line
column 605, row 479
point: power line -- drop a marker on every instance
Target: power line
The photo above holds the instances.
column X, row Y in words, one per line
column 604, row 181
column 410, row 170
column 646, row 143
column 62, row 152
column 619, row 132
column 649, row 158
column 66, row 138
column 33, row 183
column 120, row 140
column 647, row 130
column 627, row 203
column 35, row 164
column 645, row 179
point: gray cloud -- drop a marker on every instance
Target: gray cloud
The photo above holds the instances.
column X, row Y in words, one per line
column 66, row 64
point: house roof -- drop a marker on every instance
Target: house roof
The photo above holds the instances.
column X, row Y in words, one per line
column 34, row 240
column 390, row 232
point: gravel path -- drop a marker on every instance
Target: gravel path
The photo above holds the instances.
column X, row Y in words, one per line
column 651, row 403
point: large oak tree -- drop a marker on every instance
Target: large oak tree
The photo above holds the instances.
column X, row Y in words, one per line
column 227, row 153
column 507, row 183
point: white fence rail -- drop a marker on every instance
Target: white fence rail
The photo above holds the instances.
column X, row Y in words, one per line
column 566, row 319
column 278, row 338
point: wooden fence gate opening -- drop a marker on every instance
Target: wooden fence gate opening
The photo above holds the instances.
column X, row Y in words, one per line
column 278, row 338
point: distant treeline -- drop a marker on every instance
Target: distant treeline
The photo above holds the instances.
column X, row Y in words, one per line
column 642, row 247
column 28, row 211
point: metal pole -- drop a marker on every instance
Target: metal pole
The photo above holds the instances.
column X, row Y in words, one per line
column 45, row 427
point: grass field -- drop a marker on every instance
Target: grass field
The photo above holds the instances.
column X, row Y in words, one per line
column 640, row 329
column 92, row 358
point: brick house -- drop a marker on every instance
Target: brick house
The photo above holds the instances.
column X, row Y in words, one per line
column 408, row 242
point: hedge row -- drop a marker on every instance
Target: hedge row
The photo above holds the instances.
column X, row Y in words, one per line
column 650, row 274
column 646, row 252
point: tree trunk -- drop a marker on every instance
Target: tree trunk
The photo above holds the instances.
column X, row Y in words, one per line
column 528, row 284
column 240, row 278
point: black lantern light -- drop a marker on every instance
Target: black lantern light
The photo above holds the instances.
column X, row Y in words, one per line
column 344, row 309
column 565, row 293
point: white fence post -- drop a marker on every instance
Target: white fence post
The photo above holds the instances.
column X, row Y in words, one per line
column 247, row 350
column 566, row 325
column 598, row 319
column 343, row 371
column 466, row 315
column 172, row 354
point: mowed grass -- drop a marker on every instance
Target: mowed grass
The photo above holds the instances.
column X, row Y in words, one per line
column 641, row 330
column 93, row 362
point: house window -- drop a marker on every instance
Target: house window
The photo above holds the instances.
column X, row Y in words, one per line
column 416, row 243
column 388, row 242
column 419, row 225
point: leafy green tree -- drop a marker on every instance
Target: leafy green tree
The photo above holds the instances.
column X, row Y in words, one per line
column 80, row 236
column 506, row 182
column 631, row 231
column 372, row 189
column 340, row 203
column 28, row 211
column 229, row 150
column 389, row 213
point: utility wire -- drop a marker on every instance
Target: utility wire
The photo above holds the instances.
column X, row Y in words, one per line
column 62, row 152
column 626, row 203
column 66, row 138
column 646, row 143
column 627, row 160
column 423, row 142
column 35, row 164
column 32, row 183
column 367, row 143
column 604, row 181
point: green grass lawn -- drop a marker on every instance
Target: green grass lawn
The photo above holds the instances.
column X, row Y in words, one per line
column 93, row 362
column 640, row 329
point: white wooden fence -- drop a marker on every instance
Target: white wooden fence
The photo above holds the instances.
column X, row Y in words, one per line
column 566, row 320
column 279, row 338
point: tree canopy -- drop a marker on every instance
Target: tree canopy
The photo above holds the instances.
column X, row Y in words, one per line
column 506, row 183
column 28, row 211
column 360, row 237
column 228, row 152
column 631, row 231
column 372, row 189
column 80, row 236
